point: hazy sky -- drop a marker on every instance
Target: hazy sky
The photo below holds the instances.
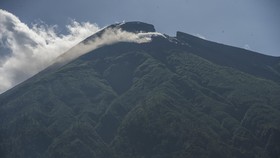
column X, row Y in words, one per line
column 251, row 24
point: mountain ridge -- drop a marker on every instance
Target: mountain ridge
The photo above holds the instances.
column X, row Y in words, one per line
column 164, row 98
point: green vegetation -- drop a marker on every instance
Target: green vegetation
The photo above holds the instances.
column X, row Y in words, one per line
column 153, row 100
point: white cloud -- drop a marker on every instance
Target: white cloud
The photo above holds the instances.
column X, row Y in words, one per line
column 24, row 51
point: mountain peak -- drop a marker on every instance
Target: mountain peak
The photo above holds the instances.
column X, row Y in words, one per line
column 135, row 26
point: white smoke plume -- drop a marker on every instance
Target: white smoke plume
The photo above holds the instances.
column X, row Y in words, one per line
column 24, row 51
column 109, row 36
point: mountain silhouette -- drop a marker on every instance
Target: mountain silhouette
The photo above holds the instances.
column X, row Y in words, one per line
column 171, row 97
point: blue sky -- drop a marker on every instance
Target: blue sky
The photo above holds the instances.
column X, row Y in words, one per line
column 251, row 24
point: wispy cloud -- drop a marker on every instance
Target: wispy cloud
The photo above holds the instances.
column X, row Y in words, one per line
column 24, row 50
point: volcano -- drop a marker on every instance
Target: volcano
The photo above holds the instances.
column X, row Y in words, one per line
column 170, row 97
